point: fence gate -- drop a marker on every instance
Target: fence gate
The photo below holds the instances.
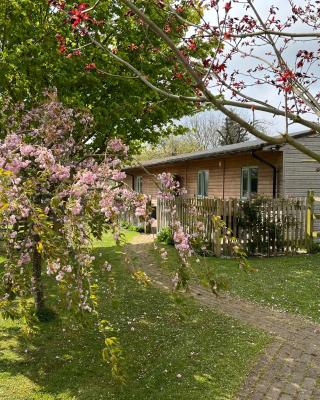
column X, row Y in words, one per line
column 313, row 220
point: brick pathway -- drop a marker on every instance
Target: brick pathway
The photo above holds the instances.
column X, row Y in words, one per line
column 289, row 368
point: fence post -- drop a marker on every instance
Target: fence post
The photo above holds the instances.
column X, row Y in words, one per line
column 309, row 218
column 147, row 225
column 158, row 214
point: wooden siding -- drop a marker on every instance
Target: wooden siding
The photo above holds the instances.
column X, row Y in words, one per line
column 224, row 174
column 300, row 173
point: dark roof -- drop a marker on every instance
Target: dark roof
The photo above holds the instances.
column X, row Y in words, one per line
column 249, row 145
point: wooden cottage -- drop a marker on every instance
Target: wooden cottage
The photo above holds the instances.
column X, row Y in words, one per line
column 237, row 171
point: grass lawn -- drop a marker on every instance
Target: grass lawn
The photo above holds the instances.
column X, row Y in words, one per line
column 162, row 336
column 289, row 283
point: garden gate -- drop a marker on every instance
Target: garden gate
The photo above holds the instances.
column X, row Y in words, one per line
column 313, row 221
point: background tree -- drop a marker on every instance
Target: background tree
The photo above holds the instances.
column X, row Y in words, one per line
column 170, row 146
column 33, row 59
column 231, row 133
column 204, row 54
column 203, row 129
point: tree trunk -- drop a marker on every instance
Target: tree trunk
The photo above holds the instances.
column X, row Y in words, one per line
column 37, row 285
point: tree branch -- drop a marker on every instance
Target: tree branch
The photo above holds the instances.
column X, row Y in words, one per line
column 91, row 8
column 276, row 33
column 297, row 87
column 210, row 97
column 143, row 78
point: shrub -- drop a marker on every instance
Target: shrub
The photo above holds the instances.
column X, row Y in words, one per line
column 256, row 219
column 165, row 236
column 133, row 228
column 314, row 248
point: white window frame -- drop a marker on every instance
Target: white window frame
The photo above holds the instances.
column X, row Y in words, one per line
column 138, row 184
column 248, row 168
column 204, row 173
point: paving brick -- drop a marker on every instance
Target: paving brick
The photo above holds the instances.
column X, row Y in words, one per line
column 305, row 395
column 257, row 396
column 291, row 388
column 297, row 377
column 273, row 393
column 286, row 397
column 309, row 383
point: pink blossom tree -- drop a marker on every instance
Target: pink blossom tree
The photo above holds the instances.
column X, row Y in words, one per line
column 55, row 197
column 228, row 48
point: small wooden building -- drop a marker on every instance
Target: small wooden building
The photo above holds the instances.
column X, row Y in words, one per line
column 237, row 171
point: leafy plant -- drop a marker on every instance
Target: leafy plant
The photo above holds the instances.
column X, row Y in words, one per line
column 314, row 248
column 165, row 236
column 263, row 226
column 133, row 228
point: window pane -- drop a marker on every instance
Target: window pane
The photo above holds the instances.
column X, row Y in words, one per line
column 205, row 183
column 138, row 184
column 203, row 177
column 254, row 180
column 200, row 183
column 245, row 182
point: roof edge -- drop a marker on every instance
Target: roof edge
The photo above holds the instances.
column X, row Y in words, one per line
column 216, row 152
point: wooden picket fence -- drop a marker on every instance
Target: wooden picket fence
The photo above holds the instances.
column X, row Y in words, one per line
column 262, row 226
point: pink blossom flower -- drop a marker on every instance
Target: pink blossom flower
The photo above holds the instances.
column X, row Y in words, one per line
column 24, row 258
column 88, row 178
column 163, row 254
column 25, row 212
column 107, row 266
column 53, row 267
column 60, row 276
column 118, row 175
column 60, row 172
column 26, row 150
column 118, row 146
column 12, row 219
column 68, row 269
column 140, row 212
column 48, row 186
column 76, row 208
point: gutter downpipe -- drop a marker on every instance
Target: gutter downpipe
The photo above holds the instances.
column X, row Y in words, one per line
column 224, row 178
column 274, row 174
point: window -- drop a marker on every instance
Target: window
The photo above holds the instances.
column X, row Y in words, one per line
column 249, row 181
column 138, row 184
column 203, row 178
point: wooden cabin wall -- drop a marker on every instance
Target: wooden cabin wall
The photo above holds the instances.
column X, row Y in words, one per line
column 224, row 174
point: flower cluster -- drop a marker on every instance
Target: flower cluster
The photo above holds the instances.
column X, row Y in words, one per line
column 169, row 186
column 182, row 241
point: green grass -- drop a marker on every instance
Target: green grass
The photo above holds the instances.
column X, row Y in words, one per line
column 162, row 335
column 289, row 283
